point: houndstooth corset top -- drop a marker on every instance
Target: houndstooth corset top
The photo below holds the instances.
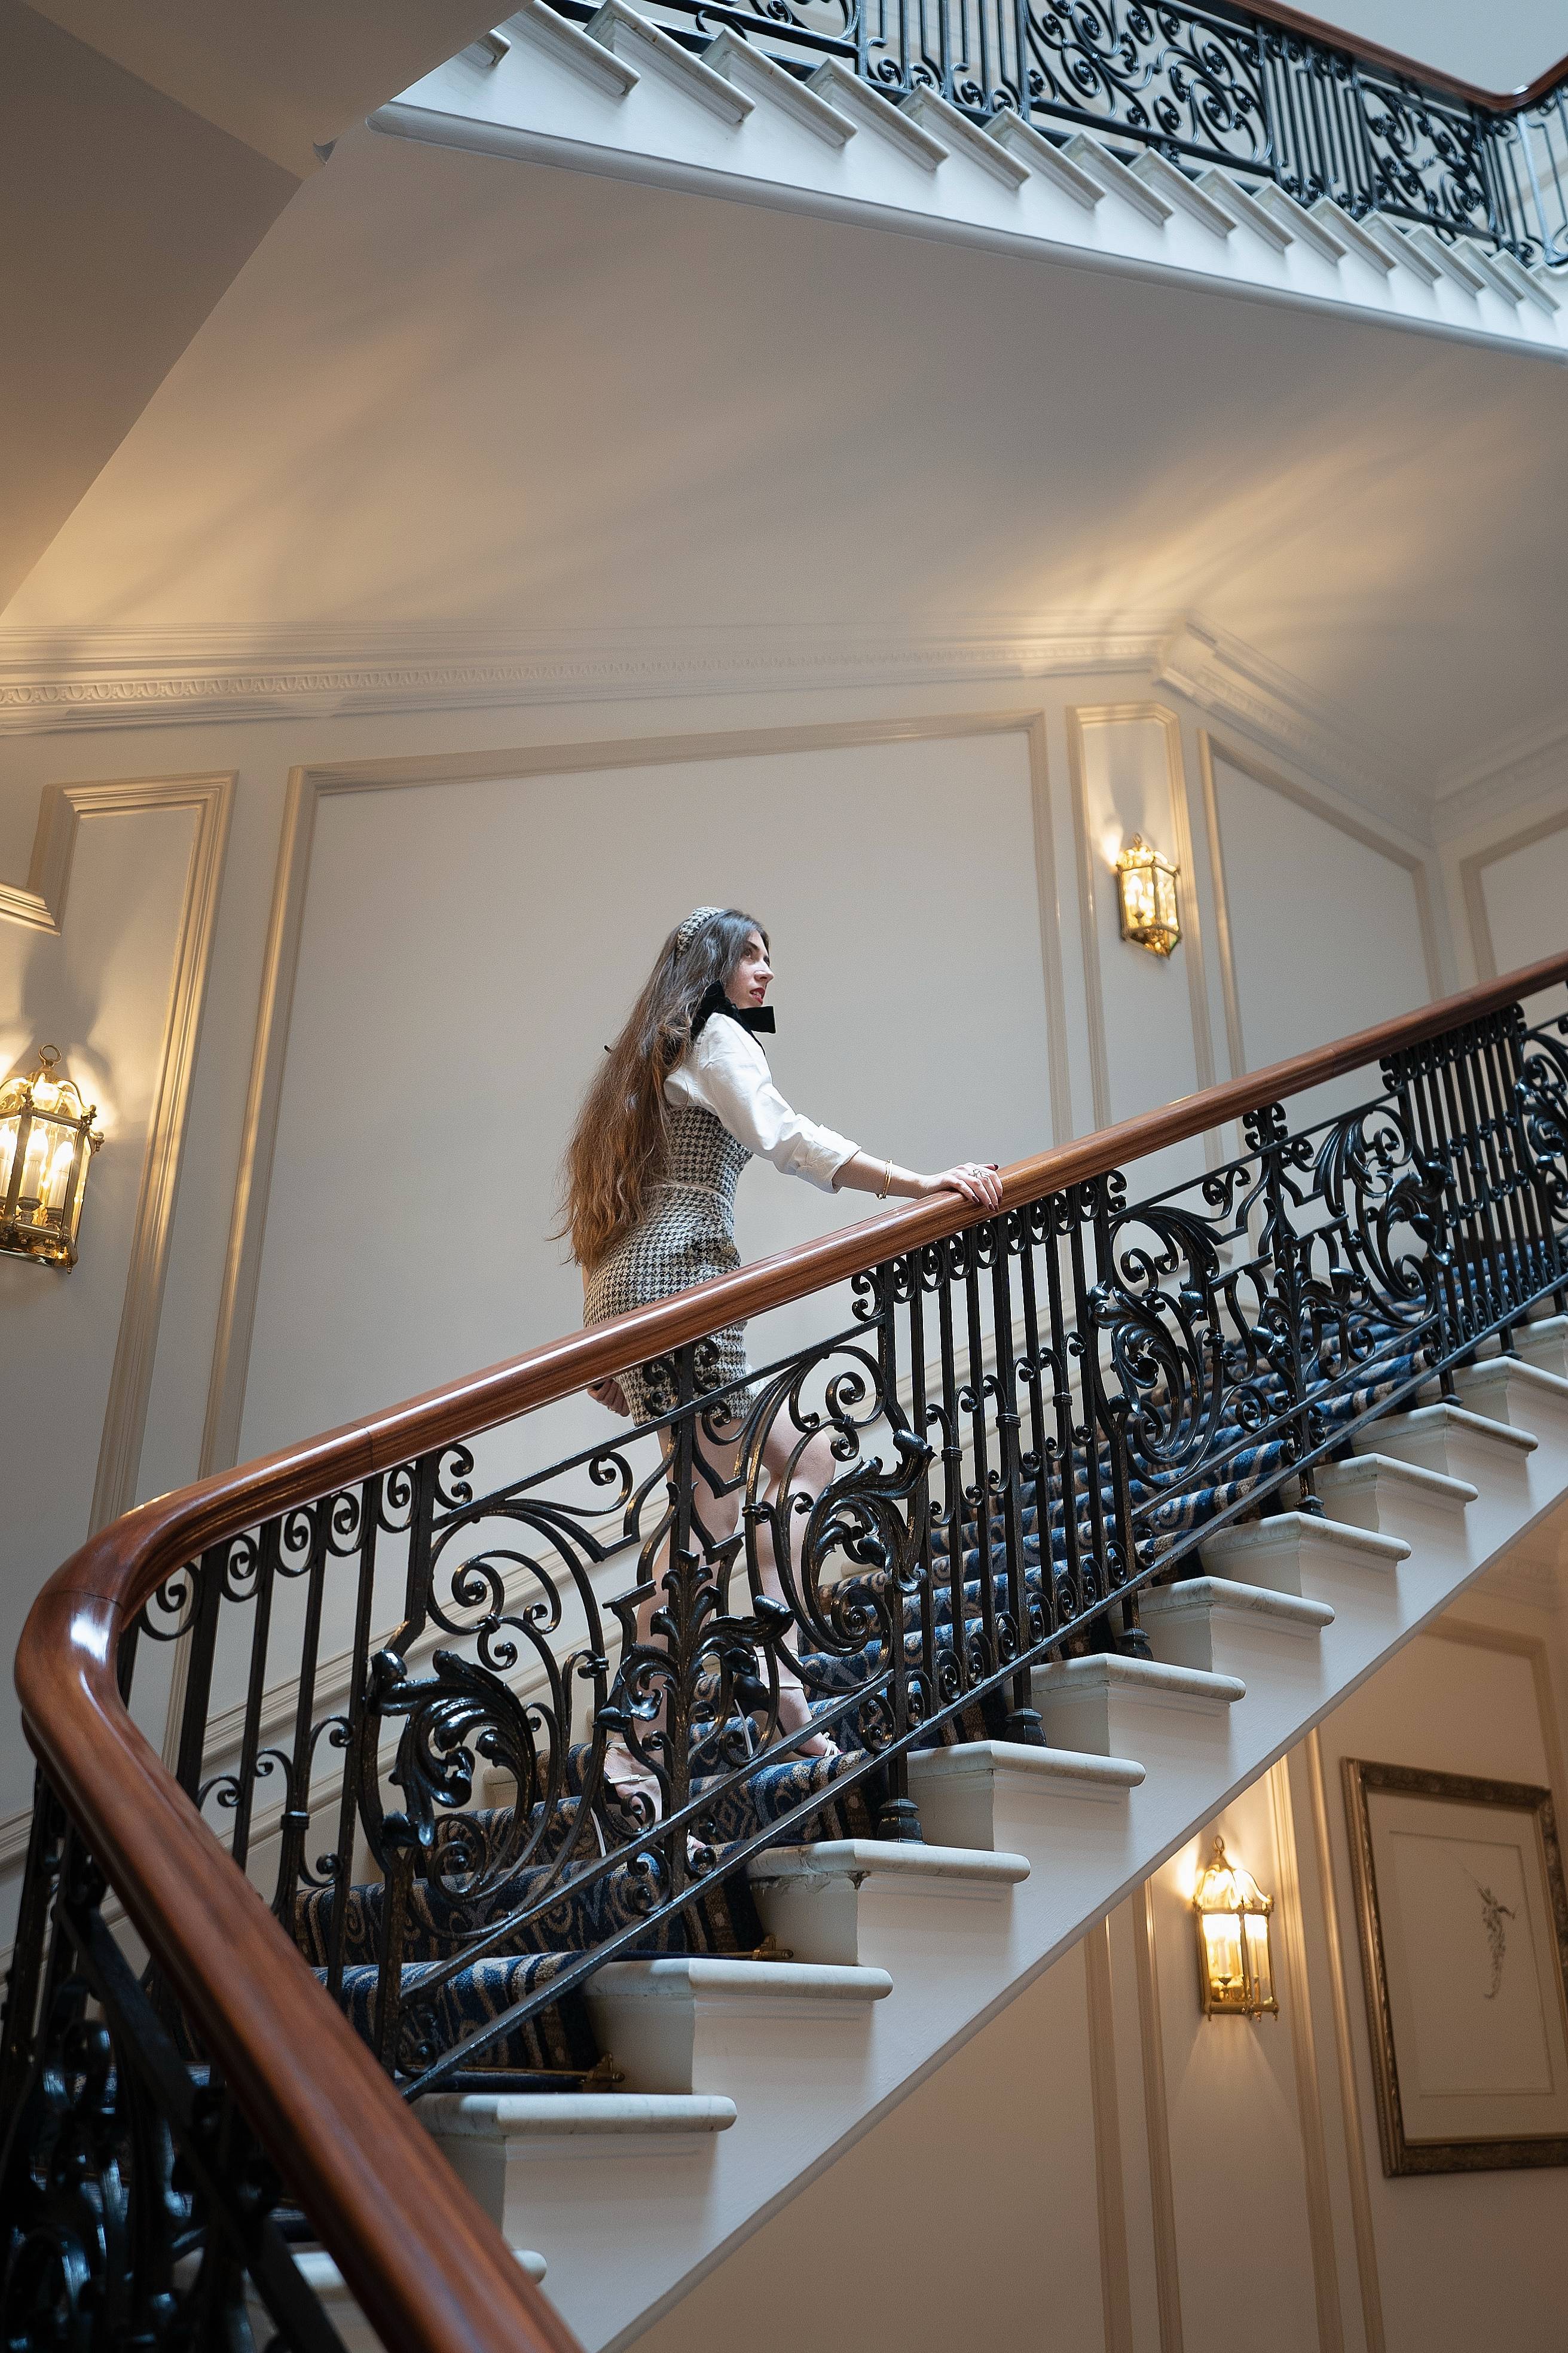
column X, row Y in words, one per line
column 705, row 1161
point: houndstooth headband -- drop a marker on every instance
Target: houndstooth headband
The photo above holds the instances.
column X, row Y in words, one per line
column 693, row 925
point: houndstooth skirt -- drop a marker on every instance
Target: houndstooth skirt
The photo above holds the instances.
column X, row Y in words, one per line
column 688, row 1236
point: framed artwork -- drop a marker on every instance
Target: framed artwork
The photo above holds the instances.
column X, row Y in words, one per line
column 1464, row 1947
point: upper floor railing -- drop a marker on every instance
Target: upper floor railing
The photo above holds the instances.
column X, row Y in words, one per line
column 1264, row 93
column 667, row 1650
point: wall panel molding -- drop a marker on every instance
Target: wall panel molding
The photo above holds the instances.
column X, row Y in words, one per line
column 1362, row 2226
column 1110, row 2197
column 309, row 786
column 1082, row 719
column 1212, row 749
column 1304, row 2057
column 1157, row 2124
column 211, row 798
column 1472, row 872
column 41, row 905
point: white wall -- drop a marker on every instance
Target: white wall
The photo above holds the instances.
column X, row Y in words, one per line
column 472, row 946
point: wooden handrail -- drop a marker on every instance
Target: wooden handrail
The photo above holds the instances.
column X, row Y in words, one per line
column 1355, row 45
column 429, row 2271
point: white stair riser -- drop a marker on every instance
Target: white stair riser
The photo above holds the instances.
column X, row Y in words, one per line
column 1545, row 1346
column 732, row 2044
column 878, row 1922
column 962, row 1806
column 1501, row 1473
column 1202, row 1627
column 1391, row 1498
column 574, row 2196
column 1523, row 1396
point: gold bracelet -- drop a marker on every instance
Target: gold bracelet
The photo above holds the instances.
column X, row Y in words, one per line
column 886, row 1184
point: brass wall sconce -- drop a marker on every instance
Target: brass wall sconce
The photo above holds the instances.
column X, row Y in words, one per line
column 1236, row 1967
column 1146, row 886
column 46, row 1143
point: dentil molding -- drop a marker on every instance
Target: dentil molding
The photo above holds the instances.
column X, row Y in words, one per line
column 50, row 682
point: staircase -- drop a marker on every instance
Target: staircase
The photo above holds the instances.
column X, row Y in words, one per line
column 1124, row 1497
column 742, row 2077
column 1138, row 179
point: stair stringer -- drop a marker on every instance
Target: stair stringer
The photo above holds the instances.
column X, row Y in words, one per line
column 547, row 100
column 628, row 2229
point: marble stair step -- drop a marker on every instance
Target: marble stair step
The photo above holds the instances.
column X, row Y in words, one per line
column 1302, row 1554
column 519, row 2154
column 1393, row 1498
column 1453, row 1441
column 1004, row 1798
column 1113, row 1706
column 691, row 2022
column 870, row 1902
column 1222, row 1627
column 1524, row 1397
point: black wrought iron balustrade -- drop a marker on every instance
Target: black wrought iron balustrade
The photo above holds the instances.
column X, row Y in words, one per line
column 1003, row 1440
column 1212, row 86
column 136, row 2208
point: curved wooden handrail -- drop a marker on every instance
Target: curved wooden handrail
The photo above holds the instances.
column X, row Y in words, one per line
column 1355, row 45
column 429, row 2271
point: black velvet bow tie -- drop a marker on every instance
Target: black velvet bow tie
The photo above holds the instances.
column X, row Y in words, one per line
column 754, row 1018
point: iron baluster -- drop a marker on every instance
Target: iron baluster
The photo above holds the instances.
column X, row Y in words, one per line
column 1024, row 1718
column 239, row 1789
column 300, row 1765
column 922, row 1420
column 951, row 1468
column 359, row 1722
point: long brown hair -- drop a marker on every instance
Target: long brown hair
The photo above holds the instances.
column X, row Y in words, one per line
column 620, row 1146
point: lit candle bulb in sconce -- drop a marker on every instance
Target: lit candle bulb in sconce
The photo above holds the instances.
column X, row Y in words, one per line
column 1236, row 1965
column 61, row 1163
column 34, row 1159
column 1146, row 892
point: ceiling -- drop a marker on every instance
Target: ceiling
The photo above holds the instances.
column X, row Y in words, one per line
column 144, row 151
column 454, row 394
column 1497, row 47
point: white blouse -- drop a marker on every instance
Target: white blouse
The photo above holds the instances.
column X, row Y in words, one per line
column 727, row 1073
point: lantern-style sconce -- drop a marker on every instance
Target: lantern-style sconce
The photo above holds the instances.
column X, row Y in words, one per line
column 1146, row 884
column 46, row 1142
column 1236, row 1969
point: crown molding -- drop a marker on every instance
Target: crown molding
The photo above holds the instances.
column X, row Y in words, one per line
column 1508, row 776
column 50, row 681
column 1232, row 681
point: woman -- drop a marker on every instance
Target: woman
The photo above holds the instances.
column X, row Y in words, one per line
column 684, row 1099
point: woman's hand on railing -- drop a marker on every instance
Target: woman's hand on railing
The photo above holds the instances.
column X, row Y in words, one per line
column 610, row 1392
column 977, row 1180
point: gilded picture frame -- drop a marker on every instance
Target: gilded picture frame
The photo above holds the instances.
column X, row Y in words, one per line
column 1463, row 1919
